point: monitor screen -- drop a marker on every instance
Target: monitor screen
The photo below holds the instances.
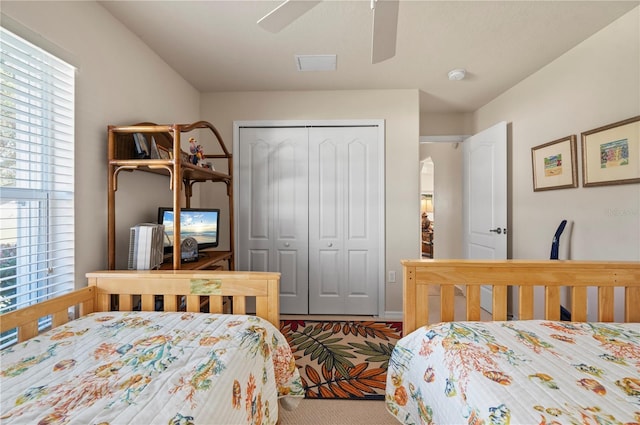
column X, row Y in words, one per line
column 199, row 223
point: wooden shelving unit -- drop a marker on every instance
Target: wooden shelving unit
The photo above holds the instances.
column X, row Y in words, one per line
column 182, row 175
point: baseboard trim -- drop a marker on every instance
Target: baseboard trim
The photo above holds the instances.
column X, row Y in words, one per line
column 393, row 315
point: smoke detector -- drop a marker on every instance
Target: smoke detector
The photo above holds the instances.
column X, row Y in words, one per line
column 457, row 74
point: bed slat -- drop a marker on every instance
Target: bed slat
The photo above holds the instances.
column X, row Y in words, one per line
column 27, row 331
column 193, row 303
column 148, row 302
column 239, row 305
column 632, row 304
column 215, row 304
column 605, row 304
column 499, row 302
column 552, row 302
column 170, row 303
column 525, row 299
column 579, row 304
column 447, row 308
column 125, row 302
column 59, row 318
column 473, row 303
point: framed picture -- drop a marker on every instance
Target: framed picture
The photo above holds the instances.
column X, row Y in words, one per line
column 611, row 154
column 164, row 153
column 555, row 164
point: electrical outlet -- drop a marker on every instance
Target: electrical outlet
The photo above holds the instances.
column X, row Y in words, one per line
column 392, row 276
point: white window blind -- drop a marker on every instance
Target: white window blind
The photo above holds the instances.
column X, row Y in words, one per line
column 36, row 176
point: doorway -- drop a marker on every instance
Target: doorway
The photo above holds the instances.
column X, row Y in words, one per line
column 427, row 213
column 446, row 155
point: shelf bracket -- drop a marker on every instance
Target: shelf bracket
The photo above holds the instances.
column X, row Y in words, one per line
column 117, row 171
column 188, row 187
column 169, row 169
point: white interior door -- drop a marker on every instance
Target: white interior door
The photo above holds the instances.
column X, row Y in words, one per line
column 485, row 198
column 344, row 218
column 273, row 209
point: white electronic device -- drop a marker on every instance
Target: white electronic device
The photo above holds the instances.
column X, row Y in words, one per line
column 146, row 249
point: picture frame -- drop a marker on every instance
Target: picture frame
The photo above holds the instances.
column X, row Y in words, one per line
column 555, row 164
column 611, row 154
column 155, row 154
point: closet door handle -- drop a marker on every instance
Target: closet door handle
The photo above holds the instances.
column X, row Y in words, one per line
column 329, row 244
column 286, row 244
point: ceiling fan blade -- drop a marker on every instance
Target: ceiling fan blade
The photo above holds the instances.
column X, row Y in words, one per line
column 287, row 12
column 385, row 29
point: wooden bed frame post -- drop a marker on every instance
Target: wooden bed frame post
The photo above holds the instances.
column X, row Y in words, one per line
column 409, row 300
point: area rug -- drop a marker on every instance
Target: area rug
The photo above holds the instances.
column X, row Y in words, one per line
column 342, row 359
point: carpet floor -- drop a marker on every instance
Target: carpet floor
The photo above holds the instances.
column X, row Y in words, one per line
column 338, row 412
column 342, row 359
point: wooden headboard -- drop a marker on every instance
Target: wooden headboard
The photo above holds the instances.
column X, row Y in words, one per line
column 524, row 274
column 115, row 289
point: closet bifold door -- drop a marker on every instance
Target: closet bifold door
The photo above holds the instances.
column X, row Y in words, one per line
column 273, row 209
column 344, row 216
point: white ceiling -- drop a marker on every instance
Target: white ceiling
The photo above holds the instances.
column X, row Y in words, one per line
column 217, row 45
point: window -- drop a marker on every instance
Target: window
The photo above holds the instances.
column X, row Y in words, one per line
column 36, row 176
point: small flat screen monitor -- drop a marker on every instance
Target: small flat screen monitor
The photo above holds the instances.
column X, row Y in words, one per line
column 199, row 223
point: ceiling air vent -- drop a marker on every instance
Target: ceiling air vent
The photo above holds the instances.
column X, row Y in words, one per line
column 316, row 62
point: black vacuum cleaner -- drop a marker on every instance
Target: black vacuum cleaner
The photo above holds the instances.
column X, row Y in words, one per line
column 565, row 314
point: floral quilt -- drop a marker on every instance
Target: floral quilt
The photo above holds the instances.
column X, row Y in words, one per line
column 150, row 367
column 518, row 372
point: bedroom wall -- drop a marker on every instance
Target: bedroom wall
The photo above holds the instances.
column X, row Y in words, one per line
column 445, row 123
column 594, row 84
column 399, row 109
column 119, row 80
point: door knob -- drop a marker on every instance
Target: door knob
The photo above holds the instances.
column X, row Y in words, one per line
column 497, row 230
column 286, row 244
column 329, row 244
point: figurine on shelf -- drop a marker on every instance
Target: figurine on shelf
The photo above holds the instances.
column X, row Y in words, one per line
column 193, row 148
column 197, row 153
column 200, row 155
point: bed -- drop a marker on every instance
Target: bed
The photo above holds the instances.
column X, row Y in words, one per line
column 534, row 369
column 122, row 361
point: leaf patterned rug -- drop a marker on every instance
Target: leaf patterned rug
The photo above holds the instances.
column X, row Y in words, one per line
column 342, row 359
